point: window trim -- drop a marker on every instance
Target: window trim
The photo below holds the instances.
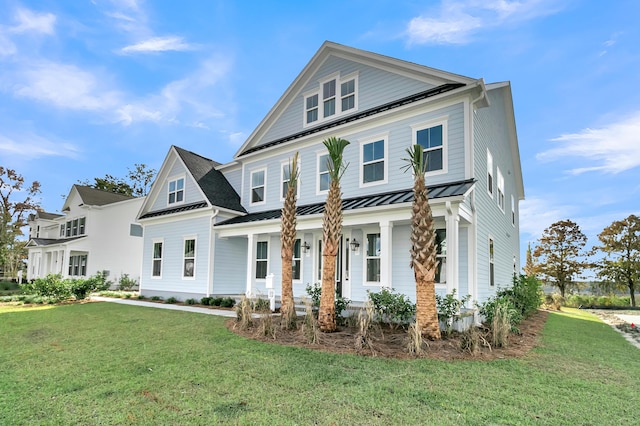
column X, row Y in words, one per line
column 490, row 178
column 384, row 137
column 307, row 109
column 261, row 260
column 186, row 238
column 75, row 262
column 299, row 259
column 154, row 259
column 500, row 194
column 513, row 211
column 176, row 191
column 492, row 266
column 365, row 257
column 264, row 186
column 318, row 90
column 282, row 166
column 319, row 191
column 441, row 121
column 442, row 256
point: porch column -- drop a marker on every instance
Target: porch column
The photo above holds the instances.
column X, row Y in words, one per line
column 251, row 249
column 386, row 246
column 452, row 226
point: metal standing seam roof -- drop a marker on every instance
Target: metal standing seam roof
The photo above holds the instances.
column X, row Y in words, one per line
column 182, row 208
column 388, row 198
column 360, row 115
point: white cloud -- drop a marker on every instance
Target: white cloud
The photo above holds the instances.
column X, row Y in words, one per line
column 610, row 149
column 29, row 21
column 158, row 44
column 455, row 22
column 538, row 213
column 32, row 146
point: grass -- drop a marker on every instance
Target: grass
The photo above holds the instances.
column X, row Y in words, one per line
column 105, row 363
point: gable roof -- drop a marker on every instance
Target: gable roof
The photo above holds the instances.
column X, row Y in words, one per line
column 44, row 215
column 94, row 197
column 452, row 189
column 432, row 76
column 39, row 242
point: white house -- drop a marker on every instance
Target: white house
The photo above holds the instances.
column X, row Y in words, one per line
column 96, row 232
column 214, row 228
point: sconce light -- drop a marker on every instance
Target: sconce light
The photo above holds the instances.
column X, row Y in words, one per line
column 305, row 247
column 354, row 244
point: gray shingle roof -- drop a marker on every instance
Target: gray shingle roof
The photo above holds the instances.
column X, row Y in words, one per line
column 50, row 241
column 97, row 197
column 388, row 198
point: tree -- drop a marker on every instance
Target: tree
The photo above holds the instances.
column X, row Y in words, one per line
column 136, row 184
column 423, row 247
column 560, row 248
column 331, row 230
column 621, row 249
column 14, row 216
column 287, row 241
column 530, row 268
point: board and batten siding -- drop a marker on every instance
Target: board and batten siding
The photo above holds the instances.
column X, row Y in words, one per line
column 490, row 132
column 173, row 235
column 192, row 193
column 399, row 135
column 375, row 87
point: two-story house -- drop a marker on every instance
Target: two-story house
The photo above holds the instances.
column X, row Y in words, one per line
column 96, row 232
column 214, row 228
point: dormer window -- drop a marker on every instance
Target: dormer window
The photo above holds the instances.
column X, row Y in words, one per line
column 333, row 97
column 176, row 191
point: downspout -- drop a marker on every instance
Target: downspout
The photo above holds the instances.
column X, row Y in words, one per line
column 212, row 247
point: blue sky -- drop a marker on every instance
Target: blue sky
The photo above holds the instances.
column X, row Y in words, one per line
column 89, row 88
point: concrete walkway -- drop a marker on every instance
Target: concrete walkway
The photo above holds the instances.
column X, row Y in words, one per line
column 186, row 308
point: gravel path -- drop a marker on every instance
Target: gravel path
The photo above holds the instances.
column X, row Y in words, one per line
column 626, row 323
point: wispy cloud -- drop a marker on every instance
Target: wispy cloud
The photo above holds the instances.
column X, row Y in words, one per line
column 610, row 149
column 30, row 21
column 537, row 213
column 455, row 22
column 158, row 44
column 30, row 146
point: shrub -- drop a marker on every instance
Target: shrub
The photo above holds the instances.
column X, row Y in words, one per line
column 190, row 301
column 215, row 301
column 141, row 297
column 392, row 308
column 261, row 305
column 314, row 291
column 228, row 302
column 101, row 283
column 341, row 304
column 503, row 306
column 205, row 301
column 415, row 341
column 244, row 312
column 449, row 309
column 156, row 298
column 51, row 286
column 171, row 300
column 502, row 322
column 125, row 283
column 553, row 301
column 309, row 327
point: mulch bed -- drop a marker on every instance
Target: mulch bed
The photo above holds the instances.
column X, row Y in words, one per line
column 392, row 343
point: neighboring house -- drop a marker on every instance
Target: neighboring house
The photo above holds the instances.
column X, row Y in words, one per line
column 215, row 229
column 97, row 232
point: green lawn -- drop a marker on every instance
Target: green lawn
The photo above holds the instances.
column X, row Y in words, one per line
column 105, row 363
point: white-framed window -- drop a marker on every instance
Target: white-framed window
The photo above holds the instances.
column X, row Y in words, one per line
column 500, row 189
column 68, row 229
column 492, row 280
column 189, row 258
column 372, row 258
column 513, row 210
column 319, row 260
column 62, row 230
column 489, row 173
column 285, row 176
column 176, row 191
column 432, row 136
column 262, row 259
column 323, row 174
column 441, row 256
column 296, row 263
column 74, row 227
column 78, row 265
column 156, row 263
column 258, row 186
column 334, row 96
column 373, row 154
column 81, row 225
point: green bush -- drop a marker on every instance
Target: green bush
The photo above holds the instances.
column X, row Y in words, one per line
column 590, row 301
column 141, row 297
column 52, row 286
column 125, row 283
column 392, row 308
column 171, row 300
column 228, row 302
column 261, row 305
column 156, row 298
column 449, row 309
column 215, row 301
column 314, row 291
column 190, row 301
column 101, row 282
column 340, row 303
column 205, row 301
column 504, row 306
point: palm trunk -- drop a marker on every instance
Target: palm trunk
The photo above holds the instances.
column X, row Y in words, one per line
column 332, row 227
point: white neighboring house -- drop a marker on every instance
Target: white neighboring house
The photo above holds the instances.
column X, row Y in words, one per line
column 97, row 232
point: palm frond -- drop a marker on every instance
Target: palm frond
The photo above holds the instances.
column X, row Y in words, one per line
column 335, row 148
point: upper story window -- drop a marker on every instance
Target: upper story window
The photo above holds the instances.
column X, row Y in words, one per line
column 62, row 230
column 176, row 191
column 490, row 173
column 74, row 227
column 334, row 96
column 258, row 184
column 513, row 210
column 374, row 165
column 285, row 176
column 500, row 190
column 323, row 173
column 433, row 139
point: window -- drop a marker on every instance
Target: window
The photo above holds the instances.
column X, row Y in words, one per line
column 373, row 162
column 189, row 259
column 81, row 225
column 311, row 108
column 257, row 186
column 319, row 261
column 157, row 259
column 323, row 173
column 441, row 256
column 262, row 259
column 176, row 191
column 285, row 176
column 372, row 258
column 331, row 97
column 491, row 267
column 500, row 190
column 68, row 229
column 490, row 173
column 513, row 211
column 296, row 263
column 62, row 230
column 74, row 227
column 432, row 143
column 78, row 265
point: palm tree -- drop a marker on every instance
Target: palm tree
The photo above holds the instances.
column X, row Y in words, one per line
column 423, row 247
column 331, row 228
column 287, row 241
